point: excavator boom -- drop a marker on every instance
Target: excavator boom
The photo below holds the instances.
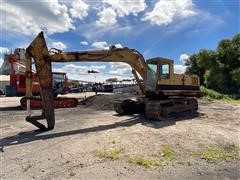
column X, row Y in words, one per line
column 38, row 50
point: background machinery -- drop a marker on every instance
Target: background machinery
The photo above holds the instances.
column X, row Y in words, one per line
column 15, row 65
column 164, row 92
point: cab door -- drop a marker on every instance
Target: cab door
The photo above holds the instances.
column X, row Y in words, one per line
column 152, row 76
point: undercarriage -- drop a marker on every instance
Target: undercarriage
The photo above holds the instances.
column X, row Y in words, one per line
column 156, row 109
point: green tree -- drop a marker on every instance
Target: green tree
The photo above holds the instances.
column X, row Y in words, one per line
column 218, row 69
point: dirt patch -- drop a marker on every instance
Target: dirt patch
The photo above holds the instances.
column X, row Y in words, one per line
column 103, row 101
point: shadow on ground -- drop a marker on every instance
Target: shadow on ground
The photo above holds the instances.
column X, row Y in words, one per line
column 13, row 108
column 25, row 137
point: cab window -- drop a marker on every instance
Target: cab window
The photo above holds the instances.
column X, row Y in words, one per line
column 151, row 75
column 152, row 72
column 164, row 70
column 152, row 68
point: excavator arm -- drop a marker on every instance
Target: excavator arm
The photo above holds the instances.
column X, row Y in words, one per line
column 38, row 50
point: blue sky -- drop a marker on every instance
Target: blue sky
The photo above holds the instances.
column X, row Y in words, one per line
column 166, row 28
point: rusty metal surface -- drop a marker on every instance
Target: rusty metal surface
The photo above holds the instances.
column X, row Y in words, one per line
column 153, row 109
column 39, row 52
column 63, row 102
column 139, row 82
column 29, row 76
column 158, row 109
column 187, row 93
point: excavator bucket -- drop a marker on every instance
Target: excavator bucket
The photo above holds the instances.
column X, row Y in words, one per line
column 38, row 50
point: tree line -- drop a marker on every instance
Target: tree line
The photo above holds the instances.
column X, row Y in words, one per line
column 218, row 69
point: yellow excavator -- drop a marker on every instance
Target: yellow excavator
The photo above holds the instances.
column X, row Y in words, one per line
column 163, row 92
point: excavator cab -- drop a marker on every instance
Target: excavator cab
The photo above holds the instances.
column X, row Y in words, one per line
column 162, row 82
column 159, row 71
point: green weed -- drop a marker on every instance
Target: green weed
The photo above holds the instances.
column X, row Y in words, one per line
column 167, row 152
column 211, row 95
column 109, row 154
column 143, row 161
column 213, row 153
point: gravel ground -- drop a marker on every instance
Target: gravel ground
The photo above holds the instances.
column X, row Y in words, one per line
column 70, row 151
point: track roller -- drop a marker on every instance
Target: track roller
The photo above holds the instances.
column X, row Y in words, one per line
column 128, row 106
column 156, row 109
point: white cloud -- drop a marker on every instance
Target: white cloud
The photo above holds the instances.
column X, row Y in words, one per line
column 85, row 43
column 179, row 69
column 118, row 68
column 184, row 58
column 107, row 17
column 79, row 9
column 125, row 8
column 1, row 62
column 100, row 45
column 91, row 32
column 30, row 17
column 59, row 45
column 104, row 45
column 4, row 50
column 114, row 8
column 165, row 11
column 79, row 70
column 118, row 45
